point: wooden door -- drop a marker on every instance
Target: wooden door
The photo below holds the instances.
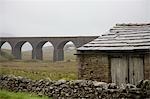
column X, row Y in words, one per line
column 119, row 70
column 136, row 72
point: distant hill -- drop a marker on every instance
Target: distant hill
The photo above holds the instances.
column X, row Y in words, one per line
column 6, row 55
column 69, row 51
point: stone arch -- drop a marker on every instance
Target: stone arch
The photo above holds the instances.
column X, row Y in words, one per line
column 18, row 49
column 7, row 46
column 39, row 49
column 59, row 50
column 63, row 43
column 26, row 51
column 69, row 51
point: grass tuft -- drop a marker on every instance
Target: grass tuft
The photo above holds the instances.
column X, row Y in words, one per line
column 19, row 95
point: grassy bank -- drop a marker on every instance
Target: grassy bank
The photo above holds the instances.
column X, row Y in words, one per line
column 19, row 95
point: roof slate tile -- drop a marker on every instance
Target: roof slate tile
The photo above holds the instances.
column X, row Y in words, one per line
column 122, row 37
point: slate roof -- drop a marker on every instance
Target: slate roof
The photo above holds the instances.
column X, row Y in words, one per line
column 122, row 37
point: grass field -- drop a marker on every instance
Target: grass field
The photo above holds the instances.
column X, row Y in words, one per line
column 40, row 69
column 35, row 69
column 19, row 95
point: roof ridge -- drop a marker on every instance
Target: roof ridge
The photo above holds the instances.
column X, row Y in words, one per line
column 133, row 24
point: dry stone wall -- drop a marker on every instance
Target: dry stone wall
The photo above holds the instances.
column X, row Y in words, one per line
column 77, row 89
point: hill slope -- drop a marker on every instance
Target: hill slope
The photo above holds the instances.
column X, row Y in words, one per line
column 6, row 55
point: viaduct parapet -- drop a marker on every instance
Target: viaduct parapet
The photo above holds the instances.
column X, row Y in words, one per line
column 37, row 43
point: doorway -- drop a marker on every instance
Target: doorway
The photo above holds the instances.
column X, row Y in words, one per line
column 127, row 69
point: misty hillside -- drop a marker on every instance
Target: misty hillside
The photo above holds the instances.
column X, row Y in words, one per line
column 6, row 55
column 69, row 51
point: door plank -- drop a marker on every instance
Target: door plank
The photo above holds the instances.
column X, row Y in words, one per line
column 119, row 70
column 136, row 69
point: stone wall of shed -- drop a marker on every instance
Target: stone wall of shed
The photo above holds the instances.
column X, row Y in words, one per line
column 94, row 67
column 147, row 66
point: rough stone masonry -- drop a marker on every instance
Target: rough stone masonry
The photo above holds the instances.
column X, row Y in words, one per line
column 77, row 89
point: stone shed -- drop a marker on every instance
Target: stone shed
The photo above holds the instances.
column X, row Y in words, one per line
column 122, row 55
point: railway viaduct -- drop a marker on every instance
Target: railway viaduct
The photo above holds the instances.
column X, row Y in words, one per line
column 37, row 43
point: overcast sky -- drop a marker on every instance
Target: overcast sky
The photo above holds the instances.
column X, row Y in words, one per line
column 68, row 17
